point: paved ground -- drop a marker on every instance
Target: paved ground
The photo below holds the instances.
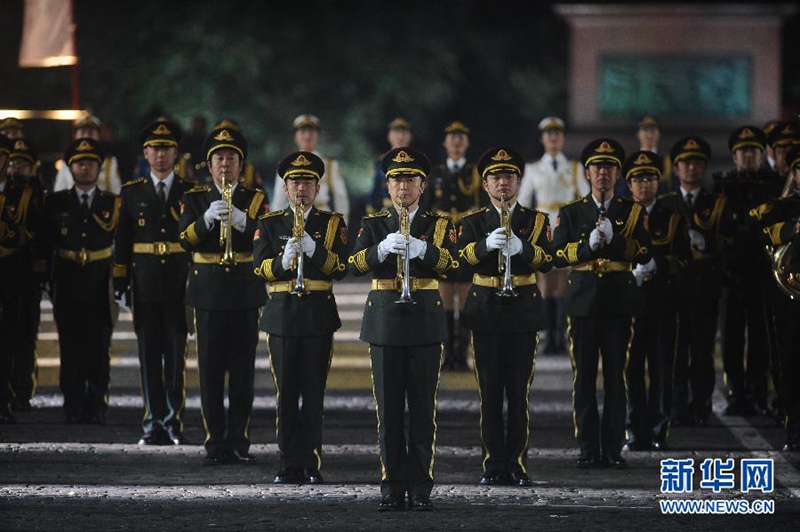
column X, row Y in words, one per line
column 59, row 477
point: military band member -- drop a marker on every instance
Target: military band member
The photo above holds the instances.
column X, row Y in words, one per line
column 77, row 238
column 25, row 198
column 780, row 141
column 455, row 189
column 332, row 187
column 225, row 294
column 300, row 317
column 398, row 135
column 746, row 271
column 700, row 283
column 504, row 311
column 12, row 128
column 655, row 329
column 85, row 126
column 405, row 366
column 8, row 285
column 148, row 255
column 601, row 236
column 779, row 220
column 548, row 184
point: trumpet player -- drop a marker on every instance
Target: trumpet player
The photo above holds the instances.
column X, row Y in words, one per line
column 225, row 293
column 506, row 244
column 300, row 251
column 407, row 251
column 601, row 236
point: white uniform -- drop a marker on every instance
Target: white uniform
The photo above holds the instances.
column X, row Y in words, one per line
column 109, row 180
column 330, row 186
column 550, row 188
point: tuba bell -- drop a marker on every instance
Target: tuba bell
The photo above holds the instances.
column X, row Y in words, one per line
column 788, row 279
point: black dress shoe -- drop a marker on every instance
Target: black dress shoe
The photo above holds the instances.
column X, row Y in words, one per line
column 521, row 479
column 217, row 457
column 98, row 418
column 289, row 475
column 175, row 437
column 791, row 447
column 241, row 457
column 495, row 478
column 589, row 461
column 660, row 445
column 615, row 462
column 636, row 445
column 313, row 476
column 391, row 504
column 152, row 437
column 420, row 503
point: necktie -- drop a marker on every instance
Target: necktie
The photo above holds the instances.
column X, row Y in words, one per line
column 162, row 196
column 555, row 165
column 689, row 199
column 85, row 203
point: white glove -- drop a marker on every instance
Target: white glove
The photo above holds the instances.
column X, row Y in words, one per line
column 595, row 239
column 607, row 229
column 697, row 240
column 639, row 274
column 496, row 239
column 215, row 212
column 309, row 244
column 239, row 221
column 393, row 243
column 514, row 245
column 649, row 267
column 416, row 248
column 290, row 252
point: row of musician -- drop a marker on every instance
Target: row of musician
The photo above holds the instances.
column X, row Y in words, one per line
column 633, row 265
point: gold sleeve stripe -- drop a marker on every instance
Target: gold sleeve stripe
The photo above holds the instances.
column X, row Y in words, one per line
column 331, row 263
column 265, row 270
column 120, row 270
column 713, row 218
column 439, row 232
column 774, row 233
column 360, row 260
column 469, row 254
column 633, row 217
column 330, row 233
column 537, row 228
column 255, row 205
column 674, row 220
column 445, row 261
column 191, row 235
column 571, row 251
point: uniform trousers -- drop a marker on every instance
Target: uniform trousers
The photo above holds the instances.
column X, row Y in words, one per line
column 694, row 375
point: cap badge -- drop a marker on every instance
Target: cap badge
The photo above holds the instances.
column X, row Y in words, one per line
column 746, row 134
column 501, row 155
column 642, row 159
column 20, row 145
column 84, row 146
column 301, row 161
column 403, row 157
column 224, row 135
column 162, row 130
column 605, row 147
column 788, row 130
column 691, row 144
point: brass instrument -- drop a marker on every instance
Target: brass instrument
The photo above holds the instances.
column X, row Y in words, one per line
column 788, row 281
column 504, row 257
column 226, row 225
column 299, row 289
column 404, row 262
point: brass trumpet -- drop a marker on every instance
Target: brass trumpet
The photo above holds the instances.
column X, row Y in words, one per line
column 299, row 288
column 404, row 262
column 226, row 225
column 503, row 257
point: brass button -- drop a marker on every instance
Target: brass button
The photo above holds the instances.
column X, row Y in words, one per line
column 370, row 303
column 330, row 296
column 600, row 274
column 196, row 272
column 83, row 235
column 453, row 197
column 438, row 303
column 163, row 230
column 227, row 270
column 163, row 261
column 474, row 294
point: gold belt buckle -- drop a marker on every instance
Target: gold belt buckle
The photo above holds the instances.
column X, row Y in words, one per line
column 161, row 248
column 601, row 265
column 83, row 256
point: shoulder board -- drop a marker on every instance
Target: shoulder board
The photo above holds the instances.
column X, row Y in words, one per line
column 437, row 215
column 379, row 214
column 579, row 200
column 482, row 209
column 199, row 188
column 272, row 214
column 329, row 213
column 251, row 189
column 623, row 199
column 667, row 195
column 134, row 182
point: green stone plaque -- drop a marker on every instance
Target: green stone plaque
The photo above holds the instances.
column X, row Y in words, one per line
column 677, row 86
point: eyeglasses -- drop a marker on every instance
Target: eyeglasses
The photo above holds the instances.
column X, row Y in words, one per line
column 643, row 179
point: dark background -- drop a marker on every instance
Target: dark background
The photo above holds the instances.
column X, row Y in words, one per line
column 498, row 66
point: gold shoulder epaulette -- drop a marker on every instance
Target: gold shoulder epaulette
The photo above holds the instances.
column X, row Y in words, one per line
column 476, row 211
column 199, row 188
column 667, row 195
column 279, row 212
column 134, row 182
column 379, row 214
column 439, row 215
column 579, row 200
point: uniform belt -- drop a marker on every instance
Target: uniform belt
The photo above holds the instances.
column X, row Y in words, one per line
column 603, row 266
column 312, row 285
column 5, row 252
column 83, row 255
column 215, row 258
column 702, row 255
column 158, row 248
column 496, row 281
column 397, row 285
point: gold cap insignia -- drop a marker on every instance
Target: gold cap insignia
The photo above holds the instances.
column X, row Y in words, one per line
column 84, row 146
column 301, row 161
column 642, row 159
column 162, row 130
column 20, row 145
column 224, row 135
column 501, row 155
column 403, row 157
column 788, row 130
column 605, row 147
column 746, row 134
column 691, row 144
